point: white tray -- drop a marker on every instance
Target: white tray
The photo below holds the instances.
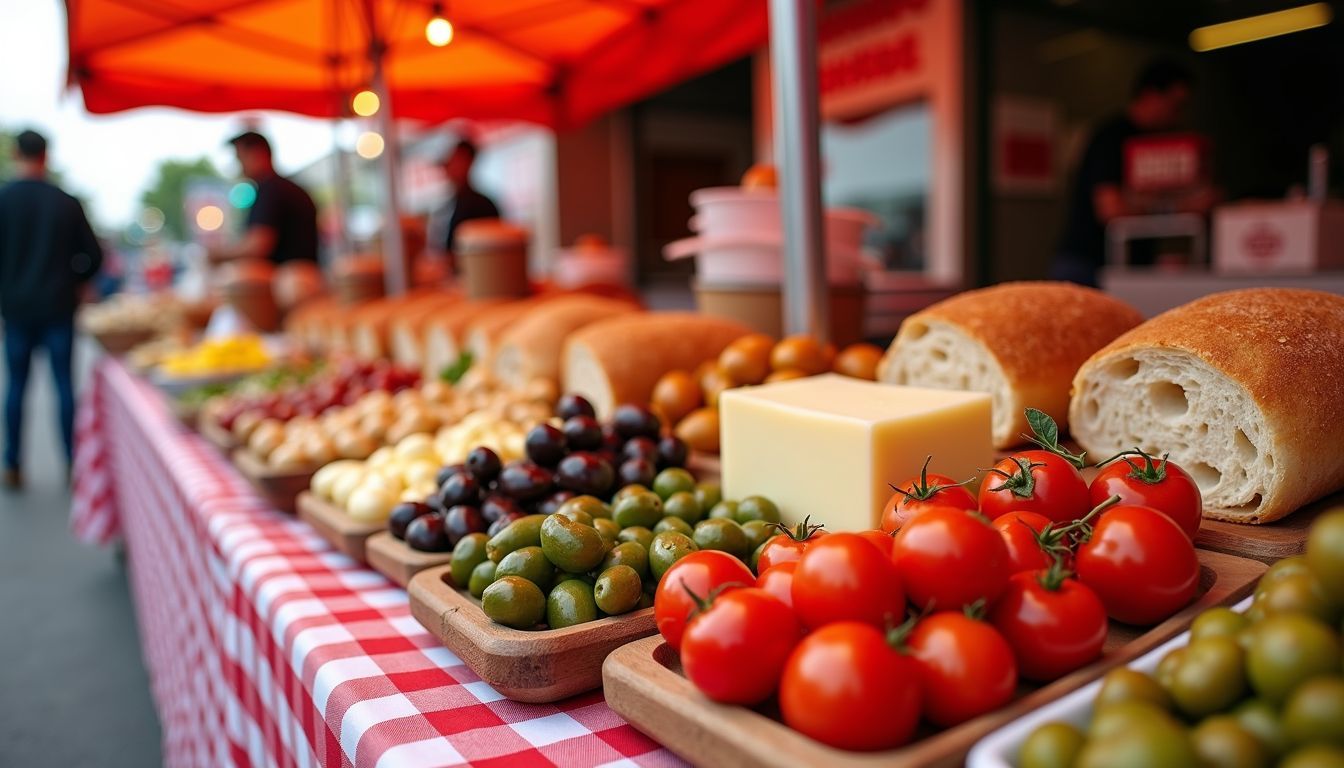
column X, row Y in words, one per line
column 1000, row 748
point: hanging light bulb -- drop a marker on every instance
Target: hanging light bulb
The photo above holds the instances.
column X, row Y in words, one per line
column 369, row 145
column 365, row 103
column 439, row 31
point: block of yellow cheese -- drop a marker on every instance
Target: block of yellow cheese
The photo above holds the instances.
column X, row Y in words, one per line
column 827, row 446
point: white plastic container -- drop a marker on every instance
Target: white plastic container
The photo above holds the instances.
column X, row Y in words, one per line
column 740, row 239
column 1000, row 748
column 580, row 266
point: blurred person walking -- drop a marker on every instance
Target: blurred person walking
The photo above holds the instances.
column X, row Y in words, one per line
column 47, row 253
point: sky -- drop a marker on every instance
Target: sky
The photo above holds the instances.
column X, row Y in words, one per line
column 108, row 160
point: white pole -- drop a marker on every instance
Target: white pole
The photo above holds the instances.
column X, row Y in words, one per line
column 340, row 193
column 394, row 260
column 793, row 56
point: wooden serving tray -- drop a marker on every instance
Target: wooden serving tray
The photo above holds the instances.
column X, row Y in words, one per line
column 644, row 684
column 346, row 534
column 280, row 487
column 534, row 666
column 391, row 556
column 213, row 433
column 1267, row 543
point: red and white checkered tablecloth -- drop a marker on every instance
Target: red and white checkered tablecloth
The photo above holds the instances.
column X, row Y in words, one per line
column 267, row 648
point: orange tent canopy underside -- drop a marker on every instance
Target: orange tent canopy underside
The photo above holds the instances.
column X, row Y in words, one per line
column 553, row 62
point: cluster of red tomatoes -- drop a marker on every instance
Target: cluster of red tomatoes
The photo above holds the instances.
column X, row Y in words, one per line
column 935, row 617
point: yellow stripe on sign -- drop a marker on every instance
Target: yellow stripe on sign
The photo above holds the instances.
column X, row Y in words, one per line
column 1260, row 27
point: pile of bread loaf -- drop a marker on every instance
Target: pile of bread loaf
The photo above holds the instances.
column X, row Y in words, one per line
column 1244, row 389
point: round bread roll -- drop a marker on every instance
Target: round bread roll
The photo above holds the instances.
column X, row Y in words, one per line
column 1020, row 342
column 1245, row 390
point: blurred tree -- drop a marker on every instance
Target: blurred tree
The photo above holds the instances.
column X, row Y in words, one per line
column 6, row 155
column 168, row 192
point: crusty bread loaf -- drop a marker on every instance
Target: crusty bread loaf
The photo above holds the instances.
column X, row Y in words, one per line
column 302, row 324
column 482, row 335
column 1245, row 390
column 406, row 336
column 443, row 335
column 619, row 360
column 370, row 324
column 531, row 347
column 1020, row 342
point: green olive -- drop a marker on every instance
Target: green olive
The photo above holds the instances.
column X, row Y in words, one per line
column 673, row 524
column 645, row 600
column 571, row 546
column 1261, row 720
column 1288, row 649
column 1125, row 684
column 1325, row 552
column 1120, row 717
column 638, row 509
column 1210, row 677
column 529, row 563
column 1053, row 745
column 758, row 532
column 673, row 480
column 682, row 505
column 576, row 515
column 608, row 530
column 586, row 578
column 1218, row 622
column 627, row 490
column 724, row 510
column 707, row 494
column 1297, row 593
column 667, row 548
column 1288, row 566
column 630, row 553
column 514, row 602
column 523, row 532
column 482, row 576
column 1221, row 742
column 570, row 602
column 467, row 554
column 757, row 508
column 636, row 533
column 590, row 505
column 1166, row 668
column 723, row 535
column 1144, row 740
column 1314, row 713
column 617, row 590
column 1315, row 756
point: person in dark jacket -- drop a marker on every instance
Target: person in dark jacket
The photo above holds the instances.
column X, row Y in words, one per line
column 465, row 202
column 282, row 222
column 47, row 253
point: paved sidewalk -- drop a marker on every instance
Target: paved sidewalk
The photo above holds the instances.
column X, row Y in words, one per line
column 73, row 690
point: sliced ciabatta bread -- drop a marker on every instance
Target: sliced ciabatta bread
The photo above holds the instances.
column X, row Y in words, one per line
column 1245, row 390
column 1020, row 342
column 531, row 347
column 618, row 360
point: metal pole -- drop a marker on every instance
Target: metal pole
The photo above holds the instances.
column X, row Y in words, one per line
column 340, row 192
column 793, row 57
column 394, row 259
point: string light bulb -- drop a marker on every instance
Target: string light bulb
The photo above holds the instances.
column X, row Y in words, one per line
column 439, row 30
column 365, row 103
column 369, row 145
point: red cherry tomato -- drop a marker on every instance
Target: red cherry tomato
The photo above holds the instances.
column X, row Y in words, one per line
column 735, row 649
column 778, row 581
column 1035, row 481
column 1140, row 563
column 1158, row 484
column 1019, row 530
column 788, row 546
column 918, row 494
column 704, row 572
column 843, row 577
column 1054, row 624
column 965, row 666
column 948, row 558
column 846, row 687
column 883, row 541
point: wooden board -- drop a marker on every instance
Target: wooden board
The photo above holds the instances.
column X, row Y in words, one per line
column 533, row 666
column 644, row 684
column 281, row 487
column 391, row 557
column 118, row 343
column 346, row 534
column 1267, row 543
column 214, row 434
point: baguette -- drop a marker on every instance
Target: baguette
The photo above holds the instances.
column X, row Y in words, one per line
column 619, row 360
column 370, row 334
column 531, row 347
column 1244, row 389
column 1020, row 342
column 407, row 333
column 482, row 335
column 443, row 334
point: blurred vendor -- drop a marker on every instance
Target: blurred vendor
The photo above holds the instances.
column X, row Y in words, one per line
column 464, row 203
column 1097, row 195
column 282, row 222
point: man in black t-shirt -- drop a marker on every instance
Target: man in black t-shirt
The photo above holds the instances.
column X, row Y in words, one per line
column 282, row 222
column 1096, row 196
column 47, row 253
column 466, row 202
